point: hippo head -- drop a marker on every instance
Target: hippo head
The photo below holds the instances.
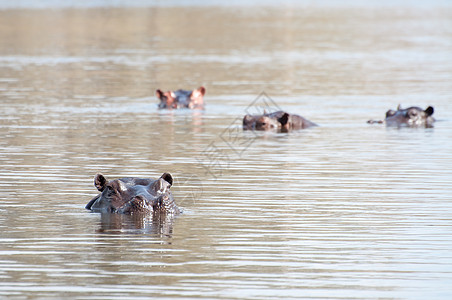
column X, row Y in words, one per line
column 181, row 98
column 411, row 117
column 133, row 195
column 272, row 121
column 267, row 123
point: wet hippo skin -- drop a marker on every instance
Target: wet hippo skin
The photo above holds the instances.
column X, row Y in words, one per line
column 410, row 117
column 278, row 121
column 131, row 195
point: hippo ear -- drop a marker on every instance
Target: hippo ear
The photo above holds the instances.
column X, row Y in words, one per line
column 399, row 107
column 390, row 113
column 161, row 185
column 247, row 122
column 429, row 111
column 168, row 178
column 100, row 182
column 246, row 119
column 284, row 119
column 159, row 94
column 201, row 91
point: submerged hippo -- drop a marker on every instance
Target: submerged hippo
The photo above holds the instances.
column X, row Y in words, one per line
column 182, row 99
column 412, row 117
column 131, row 195
column 279, row 120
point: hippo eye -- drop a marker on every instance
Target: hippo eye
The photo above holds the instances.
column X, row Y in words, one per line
column 110, row 190
column 412, row 113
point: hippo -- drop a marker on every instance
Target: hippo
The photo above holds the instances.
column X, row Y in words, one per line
column 279, row 120
column 411, row 117
column 132, row 195
column 182, row 99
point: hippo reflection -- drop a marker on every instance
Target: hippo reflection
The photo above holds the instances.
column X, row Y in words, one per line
column 411, row 117
column 131, row 195
column 160, row 224
column 279, row 120
column 182, row 99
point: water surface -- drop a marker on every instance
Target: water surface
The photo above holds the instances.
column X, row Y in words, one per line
column 345, row 210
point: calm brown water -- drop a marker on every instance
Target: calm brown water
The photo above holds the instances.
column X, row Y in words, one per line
column 342, row 211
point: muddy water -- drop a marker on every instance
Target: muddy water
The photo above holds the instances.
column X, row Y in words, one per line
column 342, row 211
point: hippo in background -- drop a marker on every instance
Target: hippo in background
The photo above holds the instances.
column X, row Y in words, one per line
column 182, row 99
column 279, row 121
column 132, row 195
column 410, row 117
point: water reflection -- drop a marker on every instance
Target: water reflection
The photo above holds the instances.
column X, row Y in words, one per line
column 158, row 224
